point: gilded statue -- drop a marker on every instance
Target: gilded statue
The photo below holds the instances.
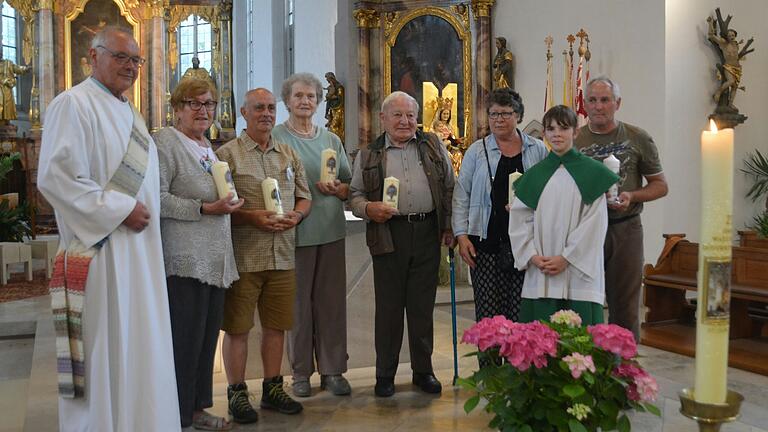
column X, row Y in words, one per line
column 445, row 129
column 334, row 106
column 8, row 72
column 196, row 72
column 503, row 65
column 729, row 70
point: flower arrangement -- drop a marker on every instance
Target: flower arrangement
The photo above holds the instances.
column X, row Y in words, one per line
column 557, row 376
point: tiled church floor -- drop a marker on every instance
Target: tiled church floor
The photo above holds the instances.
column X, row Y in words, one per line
column 28, row 379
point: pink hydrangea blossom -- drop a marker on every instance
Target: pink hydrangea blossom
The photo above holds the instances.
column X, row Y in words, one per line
column 615, row 339
column 521, row 344
column 647, row 388
column 528, row 344
column 567, row 317
column 578, row 363
column 629, row 370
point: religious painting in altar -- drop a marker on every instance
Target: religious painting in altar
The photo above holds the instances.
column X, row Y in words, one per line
column 427, row 55
column 81, row 24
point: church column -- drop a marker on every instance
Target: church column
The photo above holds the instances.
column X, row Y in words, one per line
column 366, row 20
column 226, row 117
column 45, row 63
column 157, row 63
column 481, row 9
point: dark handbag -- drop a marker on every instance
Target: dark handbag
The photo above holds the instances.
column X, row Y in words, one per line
column 505, row 261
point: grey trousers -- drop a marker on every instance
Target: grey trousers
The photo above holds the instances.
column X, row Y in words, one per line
column 405, row 282
column 196, row 313
column 624, row 260
column 320, row 311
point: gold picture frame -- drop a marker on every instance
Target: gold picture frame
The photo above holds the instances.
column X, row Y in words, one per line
column 458, row 20
column 82, row 39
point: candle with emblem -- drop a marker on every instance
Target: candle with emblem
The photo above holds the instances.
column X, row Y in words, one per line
column 512, row 179
column 714, row 275
column 328, row 162
column 614, row 165
column 272, row 200
column 391, row 191
column 222, row 178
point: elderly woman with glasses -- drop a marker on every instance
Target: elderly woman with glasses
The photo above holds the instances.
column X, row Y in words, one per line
column 197, row 248
column 480, row 216
column 320, row 311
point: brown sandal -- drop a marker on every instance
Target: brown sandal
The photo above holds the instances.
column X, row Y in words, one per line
column 208, row 422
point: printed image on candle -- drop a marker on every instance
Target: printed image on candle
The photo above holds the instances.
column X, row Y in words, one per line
column 718, row 289
column 331, row 165
column 230, row 181
column 276, row 196
column 391, row 192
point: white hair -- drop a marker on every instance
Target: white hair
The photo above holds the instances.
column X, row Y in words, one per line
column 104, row 34
column 607, row 81
column 396, row 95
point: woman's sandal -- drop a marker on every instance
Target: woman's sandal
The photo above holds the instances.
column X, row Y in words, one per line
column 208, row 422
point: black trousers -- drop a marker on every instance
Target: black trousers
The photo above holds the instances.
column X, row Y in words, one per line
column 405, row 282
column 196, row 313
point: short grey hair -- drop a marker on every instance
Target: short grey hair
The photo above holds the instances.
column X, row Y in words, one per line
column 607, row 81
column 103, row 35
column 304, row 78
column 251, row 92
column 396, row 95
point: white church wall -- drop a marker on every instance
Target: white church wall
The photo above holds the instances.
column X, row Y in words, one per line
column 627, row 43
column 690, row 82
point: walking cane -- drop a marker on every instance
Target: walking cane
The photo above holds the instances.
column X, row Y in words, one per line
column 453, row 314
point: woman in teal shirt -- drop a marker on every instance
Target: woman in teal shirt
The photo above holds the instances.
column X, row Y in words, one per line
column 320, row 312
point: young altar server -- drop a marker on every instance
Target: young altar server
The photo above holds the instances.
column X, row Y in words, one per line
column 557, row 226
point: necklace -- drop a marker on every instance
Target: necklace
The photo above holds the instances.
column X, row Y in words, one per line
column 301, row 134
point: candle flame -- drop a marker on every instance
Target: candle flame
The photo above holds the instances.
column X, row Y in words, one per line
column 712, row 126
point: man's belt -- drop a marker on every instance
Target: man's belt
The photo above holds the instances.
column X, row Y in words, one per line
column 622, row 219
column 413, row 217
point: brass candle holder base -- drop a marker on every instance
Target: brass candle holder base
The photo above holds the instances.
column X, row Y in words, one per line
column 710, row 416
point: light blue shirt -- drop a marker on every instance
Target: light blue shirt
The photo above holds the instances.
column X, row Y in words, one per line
column 472, row 193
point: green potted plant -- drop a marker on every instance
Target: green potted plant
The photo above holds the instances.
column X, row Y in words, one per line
column 557, row 376
column 15, row 220
column 757, row 169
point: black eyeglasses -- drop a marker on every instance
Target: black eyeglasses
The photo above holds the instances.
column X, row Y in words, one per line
column 195, row 105
column 122, row 58
column 506, row 115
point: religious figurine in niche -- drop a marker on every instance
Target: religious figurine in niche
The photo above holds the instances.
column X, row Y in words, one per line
column 503, row 65
column 8, row 72
column 334, row 106
column 729, row 70
column 446, row 131
column 197, row 72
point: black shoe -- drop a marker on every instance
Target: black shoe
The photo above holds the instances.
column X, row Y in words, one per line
column 239, row 405
column 275, row 398
column 385, row 386
column 427, row 383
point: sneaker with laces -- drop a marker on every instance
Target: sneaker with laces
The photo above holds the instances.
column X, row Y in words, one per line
column 240, row 405
column 275, row 398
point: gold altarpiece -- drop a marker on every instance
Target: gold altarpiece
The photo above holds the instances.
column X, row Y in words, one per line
column 437, row 51
column 57, row 35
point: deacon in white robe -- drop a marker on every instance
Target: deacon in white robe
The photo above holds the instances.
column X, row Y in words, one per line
column 564, row 225
column 129, row 371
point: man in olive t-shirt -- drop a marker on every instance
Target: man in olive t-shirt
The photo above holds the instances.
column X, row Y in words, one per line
column 635, row 149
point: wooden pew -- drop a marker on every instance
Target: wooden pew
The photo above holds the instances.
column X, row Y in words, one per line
column 670, row 322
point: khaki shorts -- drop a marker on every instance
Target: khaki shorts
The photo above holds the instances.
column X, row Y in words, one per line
column 273, row 291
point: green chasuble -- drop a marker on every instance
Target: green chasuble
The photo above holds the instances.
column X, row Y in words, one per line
column 592, row 178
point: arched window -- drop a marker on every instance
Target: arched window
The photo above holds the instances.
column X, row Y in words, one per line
column 194, row 41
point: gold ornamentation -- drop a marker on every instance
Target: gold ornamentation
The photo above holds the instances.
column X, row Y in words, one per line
column 462, row 11
column 389, row 21
column 366, row 18
column 26, row 9
column 44, row 4
column 482, row 8
column 464, row 34
column 179, row 14
column 72, row 9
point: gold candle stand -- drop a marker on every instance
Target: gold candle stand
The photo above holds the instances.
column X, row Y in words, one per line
column 710, row 416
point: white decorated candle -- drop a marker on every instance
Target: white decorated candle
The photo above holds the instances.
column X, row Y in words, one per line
column 391, row 191
column 512, row 179
column 272, row 200
column 614, row 165
column 328, row 164
column 222, row 178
